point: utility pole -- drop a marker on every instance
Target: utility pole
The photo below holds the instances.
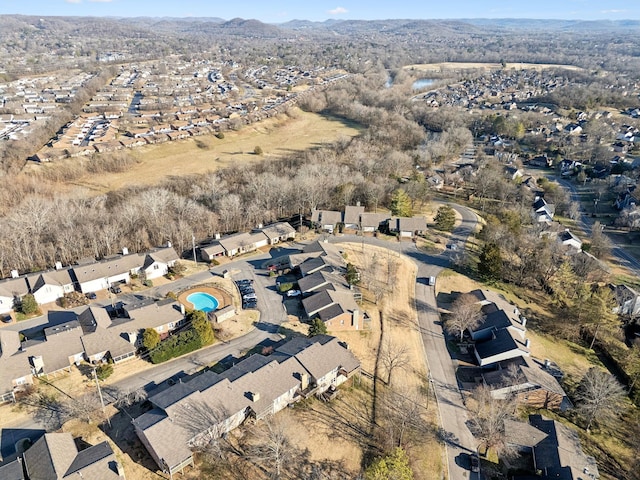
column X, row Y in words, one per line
column 95, row 376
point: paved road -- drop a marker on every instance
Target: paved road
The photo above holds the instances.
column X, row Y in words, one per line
column 625, row 259
column 459, row 442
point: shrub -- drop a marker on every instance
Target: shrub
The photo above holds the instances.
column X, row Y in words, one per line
column 317, row 327
column 285, row 287
column 104, row 371
column 148, row 283
column 200, row 334
column 220, row 135
column 258, row 150
column 28, row 306
column 150, row 338
column 172, row 295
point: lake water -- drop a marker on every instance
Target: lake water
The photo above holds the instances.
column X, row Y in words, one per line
column 422, row 82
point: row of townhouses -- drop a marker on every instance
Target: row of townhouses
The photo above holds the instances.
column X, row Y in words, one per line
column 190, row 414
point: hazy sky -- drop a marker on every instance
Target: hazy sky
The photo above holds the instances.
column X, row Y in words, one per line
column 284, row 10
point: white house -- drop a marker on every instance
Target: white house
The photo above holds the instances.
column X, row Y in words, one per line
column 12, row 290
column 158, row 262
column 101, row 275
column 49, row 286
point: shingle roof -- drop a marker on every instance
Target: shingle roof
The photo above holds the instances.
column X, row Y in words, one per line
column 502, row 342
column 245, row 239
column 11, row 287
column 372, row 220
column 52, row 277
column 51, row 456
column 316, row 280
column 522, row 434
column 277, row 230
column 408, row 224
column 96, row 459
column 160, row 255
column 326, row 217
column 102, row 340
column 12, row 471
column 108, row 268
column 352, row 214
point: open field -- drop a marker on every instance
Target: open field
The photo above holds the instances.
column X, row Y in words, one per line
column 443, row 66
column 276, row 136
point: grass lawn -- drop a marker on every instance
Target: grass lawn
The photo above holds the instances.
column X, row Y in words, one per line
column 277, row 137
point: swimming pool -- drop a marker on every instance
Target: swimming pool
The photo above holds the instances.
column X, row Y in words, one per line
column 203, row 301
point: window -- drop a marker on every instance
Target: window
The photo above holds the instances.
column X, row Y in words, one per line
column 160, row 328
column 341, row 322
column 171, row 325
column 156, row 266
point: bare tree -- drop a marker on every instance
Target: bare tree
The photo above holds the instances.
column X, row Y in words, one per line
column 465, row 314
column 402, row 411
column 488, row 418
column 393, row 356
column 271, row 448
column 204, row 422
column 599, row 397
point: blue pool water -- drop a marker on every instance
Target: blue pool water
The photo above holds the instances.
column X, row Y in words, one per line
column 203, row 301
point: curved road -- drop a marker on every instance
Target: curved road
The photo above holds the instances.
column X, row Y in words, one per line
column 453, row 413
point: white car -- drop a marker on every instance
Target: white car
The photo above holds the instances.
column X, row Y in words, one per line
column 294, row 293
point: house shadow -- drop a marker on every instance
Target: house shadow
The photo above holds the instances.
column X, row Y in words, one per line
column 13, row 441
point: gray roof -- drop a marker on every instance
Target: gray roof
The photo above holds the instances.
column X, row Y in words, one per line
column 50, row 457
column 94, row 317
column 326, row 217
column 245, row 239
column 522, row 434
column 338, row 301
column 12, row 471
column 560, row 454
column 108, row 268
column 161, row 255
column 102, row 340
column 97, row 462
column 501, row 342
column 148, row 316
column 59, row 346
column 408, row 224
column 322, row 355
column 167, row 439
column 372, row 220
column 529, row 373
column 316, row 280
column 497, row 319
column 51, row 277
column 352, row 214
column 277, row 230
column 213, row 249
column 11, row 287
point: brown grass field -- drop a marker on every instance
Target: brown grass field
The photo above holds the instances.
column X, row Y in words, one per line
column 276, row 136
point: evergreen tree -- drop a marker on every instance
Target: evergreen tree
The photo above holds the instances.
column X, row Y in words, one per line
column 445, row 218
column 490, row 262
column 394, row 466
column 400, row 204
column 317, row 327
column 150, row 338
column 28, row 304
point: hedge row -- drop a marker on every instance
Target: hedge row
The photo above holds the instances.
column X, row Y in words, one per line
column 200, row 334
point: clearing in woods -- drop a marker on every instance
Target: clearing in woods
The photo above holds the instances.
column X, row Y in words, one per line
column 277, row 137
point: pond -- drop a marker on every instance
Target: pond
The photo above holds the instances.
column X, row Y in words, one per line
column 422, row 83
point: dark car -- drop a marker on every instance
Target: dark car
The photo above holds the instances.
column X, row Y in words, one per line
column 249, row 305
column 244, row 282
column 116, row 289
column 6, row 318
column 475, row 463
column 91, row 295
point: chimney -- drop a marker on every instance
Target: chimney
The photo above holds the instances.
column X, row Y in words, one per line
column 169, row 245
column 527, row 342
column 547, row 363
column 355, row 321
column 125, row 251
column 14, row 274
column 182, row 311
column 523, row 321
column 255, row 396
column 304, row 380
column 120, row 470
column 58, row 265
column 358, row 203
column 260, row 225
column 217, row 236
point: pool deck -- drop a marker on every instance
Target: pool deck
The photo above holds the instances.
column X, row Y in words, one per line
column 224, row 299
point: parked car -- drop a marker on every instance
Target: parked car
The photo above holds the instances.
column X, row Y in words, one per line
column 115, row 289
column 244, row 282
column 91, row 295
column 475, row 463
column 250, row 304
column 249, row 296
column 294, row 293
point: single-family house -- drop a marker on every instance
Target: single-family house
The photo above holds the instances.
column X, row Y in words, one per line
column 321, row 280
column 529, row 381
column 190, row 414
column 100, row 342
column 55, row 456
column 501, row 345
column 627, row 300
column 326, row 220
column 556, row 450
column 12, row 470
column 279, row 232
column 435, row 181
column 568, row 239
column 543, row 211
column 408, row 227
column 318, row 256
column 11, row 291
column 351, row 217
column 49, row 286
column 496, row 318
column 15, row 369
column 163, row 316
column 157, row 262
column 209, row 252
